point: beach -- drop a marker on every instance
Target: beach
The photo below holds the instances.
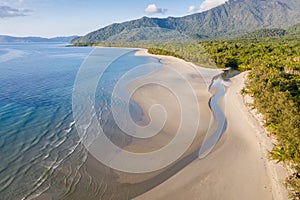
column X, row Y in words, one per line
column 237, row 168
column 43, row 156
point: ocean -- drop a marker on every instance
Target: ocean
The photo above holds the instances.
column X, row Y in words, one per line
column 41, row 155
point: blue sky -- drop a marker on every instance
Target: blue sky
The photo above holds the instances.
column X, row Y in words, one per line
column 49, row 18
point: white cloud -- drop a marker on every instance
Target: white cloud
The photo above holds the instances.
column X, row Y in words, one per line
column 153, row 9
column 192, row 9
column 209, row 4
column 7, row 11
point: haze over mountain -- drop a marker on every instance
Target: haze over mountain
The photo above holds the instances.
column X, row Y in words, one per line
column 235, row 17
column 11, row 39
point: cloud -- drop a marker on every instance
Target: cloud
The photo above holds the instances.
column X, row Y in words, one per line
column 153, row 9
column 192, row 9
column 6, row 11
column 209, row 4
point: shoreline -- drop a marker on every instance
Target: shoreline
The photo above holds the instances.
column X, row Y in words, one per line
column 278, row 171
column 240, row 156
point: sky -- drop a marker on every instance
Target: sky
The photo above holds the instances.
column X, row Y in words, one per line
column 51, row 18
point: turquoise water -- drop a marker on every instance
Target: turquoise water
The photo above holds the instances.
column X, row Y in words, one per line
column 40, row 152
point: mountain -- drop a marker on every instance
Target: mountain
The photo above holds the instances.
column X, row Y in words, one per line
column 10, row 39
column 294, row 30
column 266, row 33
column 235, row 17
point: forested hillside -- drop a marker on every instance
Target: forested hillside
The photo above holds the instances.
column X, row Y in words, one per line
column 235, row 17
column 294, row 30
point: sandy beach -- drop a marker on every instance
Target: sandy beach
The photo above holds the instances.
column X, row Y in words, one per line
column 237, row 168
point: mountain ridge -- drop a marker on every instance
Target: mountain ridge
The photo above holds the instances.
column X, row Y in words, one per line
column 31, row 39
column 235, row 17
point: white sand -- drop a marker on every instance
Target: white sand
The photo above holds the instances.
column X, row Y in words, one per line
column 151, row 94
column 237, row 169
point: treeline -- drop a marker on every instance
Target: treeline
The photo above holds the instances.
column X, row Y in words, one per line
column 191, row 51
column 158, row 51
column 273, row 81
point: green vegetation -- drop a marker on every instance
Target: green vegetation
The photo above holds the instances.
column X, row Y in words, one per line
column 158, row 51
column 294, row 30
column 273, row 81
column 261, row 33
column 234, row 18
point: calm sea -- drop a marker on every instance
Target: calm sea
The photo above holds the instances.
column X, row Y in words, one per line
column 40, row 153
